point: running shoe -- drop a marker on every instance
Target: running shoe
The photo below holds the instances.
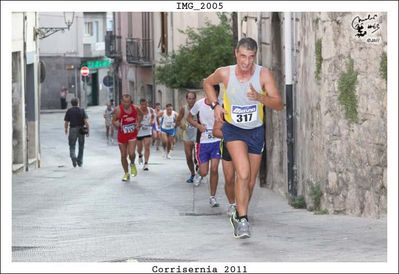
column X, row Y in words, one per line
column 213, row 202
column 197, row 179
column 168, row 156
column 133, row 170
column 231, row 209
column 145, row 167
column 126, row 177
column 190, row 180
column 240, row 227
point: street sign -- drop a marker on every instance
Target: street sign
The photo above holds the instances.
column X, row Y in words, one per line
column 84, row 71
column 108, row 81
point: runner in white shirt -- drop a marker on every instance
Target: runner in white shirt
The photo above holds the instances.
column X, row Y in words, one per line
column 145, row 133
column 168, row 129
column 208, row 147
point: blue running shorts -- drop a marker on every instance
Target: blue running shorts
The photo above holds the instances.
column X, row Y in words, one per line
column 169, row 132
column 254, row 138
column 207, row 151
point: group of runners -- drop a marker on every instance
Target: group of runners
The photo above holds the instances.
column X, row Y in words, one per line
column 228, row 127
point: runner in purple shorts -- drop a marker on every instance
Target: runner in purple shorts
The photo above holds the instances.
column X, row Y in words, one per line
column 208, row 149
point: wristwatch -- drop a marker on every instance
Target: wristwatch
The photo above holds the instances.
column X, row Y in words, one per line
column 214, row 104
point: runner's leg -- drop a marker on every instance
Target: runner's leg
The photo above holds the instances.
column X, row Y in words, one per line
column 254, row 162
column 188, row 150
column 214, row 177
column 239, row 154
column 131, row 148
column 228, row 171
column 147, row 143
column 123, row 150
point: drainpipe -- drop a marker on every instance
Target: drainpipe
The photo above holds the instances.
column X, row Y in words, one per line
column 26, row 162
column 292, row 190
column 153, row 58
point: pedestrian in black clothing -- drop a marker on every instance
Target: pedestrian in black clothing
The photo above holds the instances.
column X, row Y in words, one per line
column 76, row 118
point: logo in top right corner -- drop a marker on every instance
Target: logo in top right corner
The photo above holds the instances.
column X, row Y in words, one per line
column 367, row 28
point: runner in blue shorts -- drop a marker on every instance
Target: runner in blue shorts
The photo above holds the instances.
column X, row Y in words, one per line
column 168, row 129
column 248, row 87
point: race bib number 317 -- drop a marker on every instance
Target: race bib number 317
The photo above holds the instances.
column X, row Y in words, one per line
column 244, row 114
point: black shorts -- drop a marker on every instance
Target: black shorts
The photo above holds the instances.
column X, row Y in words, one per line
column 225, row 153
column 143, row 137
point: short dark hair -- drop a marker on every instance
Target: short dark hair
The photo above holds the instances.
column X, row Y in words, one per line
column 247, row 43
column 193, row 92
column 74, row 102
column 157, row 104
column 169, row 105
column 127, row 96
column 142, row 100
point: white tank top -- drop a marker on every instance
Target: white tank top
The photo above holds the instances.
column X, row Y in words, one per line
column 146, row 128
column 168, row 122
column 241, row 111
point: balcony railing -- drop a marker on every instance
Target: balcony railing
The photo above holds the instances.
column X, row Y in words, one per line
column 139, row 51
column 113, row 47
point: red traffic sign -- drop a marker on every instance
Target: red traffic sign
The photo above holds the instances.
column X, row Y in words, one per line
column 84, row 71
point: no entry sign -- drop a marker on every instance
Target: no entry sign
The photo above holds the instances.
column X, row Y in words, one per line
column 84, row 71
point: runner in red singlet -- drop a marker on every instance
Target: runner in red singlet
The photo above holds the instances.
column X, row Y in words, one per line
column 127, row 118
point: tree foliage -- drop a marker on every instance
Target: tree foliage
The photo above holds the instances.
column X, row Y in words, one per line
column 206, row 49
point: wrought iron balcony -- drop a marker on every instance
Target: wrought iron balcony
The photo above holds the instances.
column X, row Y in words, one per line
column 113, row 48
column 139, row 51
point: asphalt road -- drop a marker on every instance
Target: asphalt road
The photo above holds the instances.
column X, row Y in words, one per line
column 87, row 214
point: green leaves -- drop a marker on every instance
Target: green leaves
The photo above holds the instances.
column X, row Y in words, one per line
column 206, row 49
column 347, row 92
column 383, row 66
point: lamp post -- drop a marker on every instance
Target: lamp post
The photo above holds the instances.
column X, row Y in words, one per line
column 43, row 32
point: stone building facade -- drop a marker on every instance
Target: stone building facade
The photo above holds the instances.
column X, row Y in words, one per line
column 348, row 159
column 340, row 143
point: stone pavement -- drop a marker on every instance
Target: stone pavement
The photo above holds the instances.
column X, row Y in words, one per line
column 66, row 214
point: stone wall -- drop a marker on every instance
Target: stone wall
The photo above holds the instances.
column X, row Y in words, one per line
column 347, row 159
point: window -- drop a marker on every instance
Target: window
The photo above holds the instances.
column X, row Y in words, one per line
column 89, row 28
column 96, row 31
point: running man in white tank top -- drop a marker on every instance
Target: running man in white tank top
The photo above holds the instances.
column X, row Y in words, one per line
column 168, row 128
column 247, row 88
column 145, row 133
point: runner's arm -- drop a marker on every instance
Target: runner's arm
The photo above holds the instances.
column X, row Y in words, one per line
column 218, row 76
column 152, row 116
column 115, row 118
column 217, row 129
column 271, row 97
column 140, row 115
column 195, row 123
column 179, row 118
